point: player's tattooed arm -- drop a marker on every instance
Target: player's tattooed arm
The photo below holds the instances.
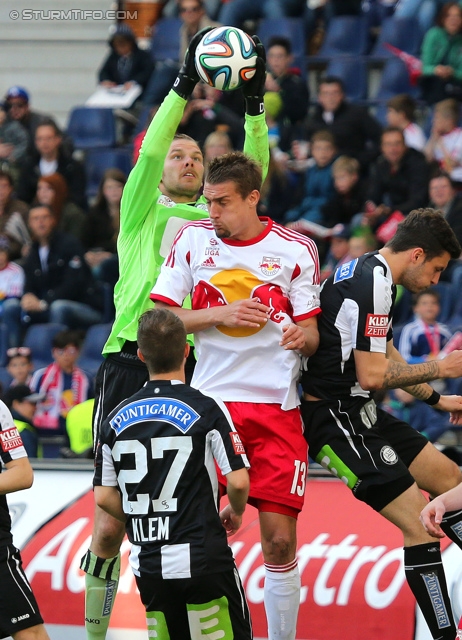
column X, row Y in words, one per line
column 419, row 391
column 399, row 374
column 376, row 370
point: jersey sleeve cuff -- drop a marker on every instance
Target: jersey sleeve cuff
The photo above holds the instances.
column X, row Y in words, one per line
column 305, row 316
column 155, row 297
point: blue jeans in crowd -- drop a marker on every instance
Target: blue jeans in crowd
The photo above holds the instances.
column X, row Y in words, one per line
column 75, row 315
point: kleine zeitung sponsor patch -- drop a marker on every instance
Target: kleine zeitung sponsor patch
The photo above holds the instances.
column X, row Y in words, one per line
column 376, row 325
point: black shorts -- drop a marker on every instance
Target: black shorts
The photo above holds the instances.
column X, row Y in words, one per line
column 172, row 604
column 18, row 607
column 119, row 377
column 367, row 448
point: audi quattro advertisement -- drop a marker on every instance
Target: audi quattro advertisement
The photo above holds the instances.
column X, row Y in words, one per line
column 350, row 560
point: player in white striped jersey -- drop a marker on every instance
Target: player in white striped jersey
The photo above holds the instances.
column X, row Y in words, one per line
column 156, row 474
column 380, row 458
column 19, row 613
column 255, row 300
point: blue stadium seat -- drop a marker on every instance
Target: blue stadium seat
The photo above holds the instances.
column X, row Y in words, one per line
column 90, row 355
column 97, row 161
column 165, row 39
column 353, row 72
column 397, row 329
column 3, row 344
column 91, row 127
column 291, row 28
column 402, row 33
column 403, row 309
column 394, row 79
column 39, row 339
column 447, row 296
column 345, row 35
column 5, row 379
column 455, row 321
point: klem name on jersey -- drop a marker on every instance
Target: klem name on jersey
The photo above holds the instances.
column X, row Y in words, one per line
column 175, row 412
column 376, row 325
column 150, row 529
column 10, row 439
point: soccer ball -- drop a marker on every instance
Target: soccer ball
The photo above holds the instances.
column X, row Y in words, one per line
column 226, row 58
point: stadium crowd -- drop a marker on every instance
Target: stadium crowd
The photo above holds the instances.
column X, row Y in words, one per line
column 342, row 171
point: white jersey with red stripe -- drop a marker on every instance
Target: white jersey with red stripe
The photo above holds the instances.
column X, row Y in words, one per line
column 280, row 267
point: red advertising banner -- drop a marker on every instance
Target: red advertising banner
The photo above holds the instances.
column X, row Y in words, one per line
column 350, row 559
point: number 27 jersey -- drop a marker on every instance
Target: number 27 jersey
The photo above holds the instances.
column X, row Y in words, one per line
column 159, row 448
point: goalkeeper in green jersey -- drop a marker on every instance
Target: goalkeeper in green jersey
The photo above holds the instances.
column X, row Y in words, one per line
column 161, row 195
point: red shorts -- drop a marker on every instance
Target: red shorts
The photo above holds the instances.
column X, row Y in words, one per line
column 278, row 455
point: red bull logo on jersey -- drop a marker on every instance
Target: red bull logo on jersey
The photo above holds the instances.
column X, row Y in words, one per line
column 175, row 412
column 229, row 285
column 10, row 439
column 376, row 325
column 270, row 266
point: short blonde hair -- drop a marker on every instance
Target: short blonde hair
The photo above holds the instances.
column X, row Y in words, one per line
column 345, row 164
column 448, row 109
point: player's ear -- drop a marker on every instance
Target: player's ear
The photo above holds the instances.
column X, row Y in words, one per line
column 253, row 198
column 140, row 355
column 187, row 349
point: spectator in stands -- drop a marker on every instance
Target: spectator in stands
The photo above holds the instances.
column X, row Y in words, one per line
column 50, row 157
column 216, row 144
column 398, row 180
column 205, row 113
column 52, row 191
column 401, row 114
column 356, row 133
column 126, row 63
column 422, row 11
column 319, row 186
column 278, row 189
column 361, row 241
column 11, row 275
column 445, row 143
column 102, row 227
column 337, row 253
column 422, row 340
column 17, row 100
column 63, row 385
column 444, row 196
column 19, row 365
column 236, row 12
column 22, row 403
column 349, row 195
column 13, row 215
column 14, row 142
column 442, row 57
column 284, row 80
column 59, row 284
column 194, row 18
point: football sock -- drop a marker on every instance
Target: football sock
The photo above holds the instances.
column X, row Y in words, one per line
column 282, row 600
column 452, row 526
column 101, row 580
column 425, row 575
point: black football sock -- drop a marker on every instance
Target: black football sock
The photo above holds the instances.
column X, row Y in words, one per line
column 452, row 526
column 425, row 575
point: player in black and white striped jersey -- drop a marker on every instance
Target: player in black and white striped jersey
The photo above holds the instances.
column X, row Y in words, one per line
column 19, row 613
column 380, row 458
column 155, row 472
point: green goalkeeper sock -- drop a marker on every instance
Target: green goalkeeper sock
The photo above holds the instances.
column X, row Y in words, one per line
column 100, row 591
